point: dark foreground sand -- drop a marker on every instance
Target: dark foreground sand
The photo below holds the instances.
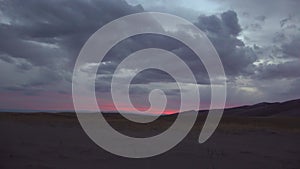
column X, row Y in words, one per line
column 57, row 141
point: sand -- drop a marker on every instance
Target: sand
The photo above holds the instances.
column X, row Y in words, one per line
column 56, row 141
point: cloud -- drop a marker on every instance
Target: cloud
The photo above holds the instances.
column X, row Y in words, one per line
column 272, row 8
column 286, row 70
column 46, row 31
column 294, row 88
column 261, row 18
column 47, row 35
column 230, row 21
column 40, row 41
column 284, row 21
column 291, row 48
column 223, row 32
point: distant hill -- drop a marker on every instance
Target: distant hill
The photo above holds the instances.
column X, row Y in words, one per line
column 284, row 109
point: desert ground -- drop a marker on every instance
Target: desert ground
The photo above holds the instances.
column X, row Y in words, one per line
column 57, row 141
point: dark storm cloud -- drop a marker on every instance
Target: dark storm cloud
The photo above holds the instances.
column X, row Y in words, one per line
column 223, row 31
column 282, row 59
column 14, row 44
column 131, row 45
column 21, row 64
column 231, row 23
column 291, row 49
column 284, row 70
column 66, row 24
column 36, row 83
column 152, row 75
column 40, row 41
column 47, row 35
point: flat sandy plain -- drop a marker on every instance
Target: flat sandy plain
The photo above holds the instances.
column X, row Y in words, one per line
column 57, row 141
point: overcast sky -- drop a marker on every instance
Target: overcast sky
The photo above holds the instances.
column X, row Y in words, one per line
column 258, row 43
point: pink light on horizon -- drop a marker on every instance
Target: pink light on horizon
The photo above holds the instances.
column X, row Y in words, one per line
column 63, row 102
column 47, row 101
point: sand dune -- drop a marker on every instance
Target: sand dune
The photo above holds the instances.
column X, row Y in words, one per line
column 56, row 141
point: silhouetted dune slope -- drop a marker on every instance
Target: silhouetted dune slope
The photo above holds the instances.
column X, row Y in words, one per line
column 285, row 109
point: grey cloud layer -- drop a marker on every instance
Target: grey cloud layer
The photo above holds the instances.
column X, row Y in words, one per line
column 47, row 35
column 41, row 40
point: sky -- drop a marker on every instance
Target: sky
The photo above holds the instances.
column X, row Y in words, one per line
column 257, row 41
